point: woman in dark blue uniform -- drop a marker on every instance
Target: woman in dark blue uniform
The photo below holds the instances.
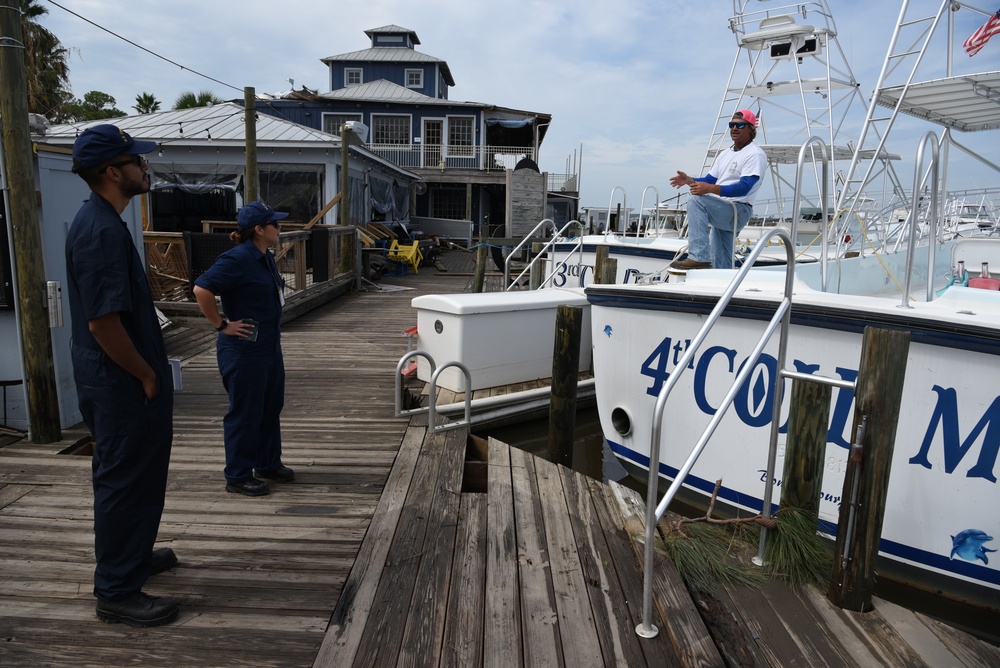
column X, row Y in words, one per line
column 249, row 349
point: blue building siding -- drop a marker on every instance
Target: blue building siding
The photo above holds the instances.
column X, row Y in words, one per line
column 310, row 114
column 394, row 72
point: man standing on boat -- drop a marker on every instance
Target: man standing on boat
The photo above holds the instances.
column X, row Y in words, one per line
column 733, row 179
column 123, row 380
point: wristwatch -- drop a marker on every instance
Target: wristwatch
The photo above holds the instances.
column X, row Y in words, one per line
column 222, row 325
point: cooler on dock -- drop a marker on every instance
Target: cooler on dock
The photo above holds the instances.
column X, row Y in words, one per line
column 502, row 337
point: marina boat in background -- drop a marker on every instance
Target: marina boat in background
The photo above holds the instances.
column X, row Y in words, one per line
column 968, row 214
column 941, row 526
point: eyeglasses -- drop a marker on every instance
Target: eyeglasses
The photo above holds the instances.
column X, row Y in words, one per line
column 136, row 159
column 738, row 126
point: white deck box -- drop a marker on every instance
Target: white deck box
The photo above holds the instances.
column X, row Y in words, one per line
column 502, row 337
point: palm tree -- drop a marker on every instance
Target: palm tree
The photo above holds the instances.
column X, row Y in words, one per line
column 146, row 103
column 46, row 71
column 189, row 100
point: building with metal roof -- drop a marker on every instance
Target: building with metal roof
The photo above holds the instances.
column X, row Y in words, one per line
column 199, row 166
column 461, row 150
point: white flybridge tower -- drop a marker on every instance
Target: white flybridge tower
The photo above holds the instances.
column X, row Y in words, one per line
column 791, row 72
column 919, row 79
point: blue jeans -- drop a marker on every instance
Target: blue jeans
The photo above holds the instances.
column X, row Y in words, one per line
column 710, row 229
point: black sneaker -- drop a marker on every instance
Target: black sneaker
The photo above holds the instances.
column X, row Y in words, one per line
column 163, row 560
column 280, row 474
column 249, row 487
column 138, row 610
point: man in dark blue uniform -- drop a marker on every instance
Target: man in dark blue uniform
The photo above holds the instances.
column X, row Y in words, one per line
column 122, row 378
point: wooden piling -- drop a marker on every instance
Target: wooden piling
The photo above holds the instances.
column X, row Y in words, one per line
column 26, row 238
column 537, row 268
column 565, row 376
column 805, row 448
column 877, row 396
column 605, row 268
column 479, row 276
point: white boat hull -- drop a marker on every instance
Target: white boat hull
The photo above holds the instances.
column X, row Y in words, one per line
column 944, row 469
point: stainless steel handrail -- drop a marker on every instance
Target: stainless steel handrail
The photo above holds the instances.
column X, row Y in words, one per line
column 431, row 408
column 507, row 260
column 932, row 219
column 656, row 213
column 432, row 398
column 607, row 228
column 577, row 248
column 398, row 391
column 654, row 510
column 824, row 197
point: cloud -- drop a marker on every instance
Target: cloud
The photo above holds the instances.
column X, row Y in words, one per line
column 637, row 83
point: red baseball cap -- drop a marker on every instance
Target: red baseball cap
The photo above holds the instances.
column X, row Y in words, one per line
column 748, row 116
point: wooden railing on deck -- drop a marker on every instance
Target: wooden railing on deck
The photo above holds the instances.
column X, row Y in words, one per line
column 168, row 266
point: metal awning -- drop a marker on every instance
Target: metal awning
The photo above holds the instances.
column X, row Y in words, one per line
column 969, row 102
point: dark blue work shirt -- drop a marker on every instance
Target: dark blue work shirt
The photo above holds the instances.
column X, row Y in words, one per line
column 105, row 274
column 249, row 284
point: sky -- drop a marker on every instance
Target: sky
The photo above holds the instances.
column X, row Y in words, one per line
column 633, row 85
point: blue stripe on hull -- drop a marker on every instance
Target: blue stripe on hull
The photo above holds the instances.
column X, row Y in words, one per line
column 900, row 550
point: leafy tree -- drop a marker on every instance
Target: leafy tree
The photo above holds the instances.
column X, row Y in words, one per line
column 204, row 98
column 46, row 69
column 94, row 106
column 146, row 103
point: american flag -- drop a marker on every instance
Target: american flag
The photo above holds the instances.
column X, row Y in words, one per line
column 978, row 39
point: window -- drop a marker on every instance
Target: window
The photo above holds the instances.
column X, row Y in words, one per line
column 295, row 189
column 448, row 203
column 333, row 122
column 353, row 76
column 460, row 136
column 414, row 78
column 390, row 129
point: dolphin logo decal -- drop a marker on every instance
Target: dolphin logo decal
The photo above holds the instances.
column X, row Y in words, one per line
column 970, row 545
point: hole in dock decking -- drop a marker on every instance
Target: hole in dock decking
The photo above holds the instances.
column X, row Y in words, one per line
column 475, row 474
column 83, row 447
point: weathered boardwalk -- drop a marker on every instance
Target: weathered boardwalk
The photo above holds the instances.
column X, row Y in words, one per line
column 375, row 555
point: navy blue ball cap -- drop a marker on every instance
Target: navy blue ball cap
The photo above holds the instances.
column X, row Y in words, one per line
column 257, row 213
column 103, row 143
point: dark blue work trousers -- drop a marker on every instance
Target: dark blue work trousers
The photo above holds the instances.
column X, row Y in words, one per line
column 252, row 427
column 131, row 456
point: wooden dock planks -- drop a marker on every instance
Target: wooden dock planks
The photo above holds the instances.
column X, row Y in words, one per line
column 375, row 556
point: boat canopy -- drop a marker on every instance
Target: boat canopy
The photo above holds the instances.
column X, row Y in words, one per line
column 788, row 154
column 968, row 102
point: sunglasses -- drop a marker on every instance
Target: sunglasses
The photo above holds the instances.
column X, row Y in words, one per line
column 738, row 126
column 272, row 222
column 135, row 159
